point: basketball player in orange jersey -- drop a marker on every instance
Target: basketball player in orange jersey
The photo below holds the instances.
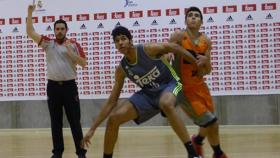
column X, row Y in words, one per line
column 198, row 102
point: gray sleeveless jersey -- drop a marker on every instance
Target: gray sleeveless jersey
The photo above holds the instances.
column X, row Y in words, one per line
column 148, row 73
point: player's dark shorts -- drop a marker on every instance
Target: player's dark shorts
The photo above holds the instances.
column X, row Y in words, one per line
column 146, row 102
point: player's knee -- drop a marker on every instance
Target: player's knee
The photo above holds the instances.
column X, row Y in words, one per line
column 167, row 107
column 214, row 125
column 113, row 120
column 211, row 124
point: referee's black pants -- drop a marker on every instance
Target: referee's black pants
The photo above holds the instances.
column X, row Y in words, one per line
column 64, row 94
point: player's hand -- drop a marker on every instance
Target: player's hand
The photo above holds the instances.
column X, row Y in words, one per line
column 200, row 71
column 86, row 140
column 170, row 57
column 201, row 60
column 31, row 8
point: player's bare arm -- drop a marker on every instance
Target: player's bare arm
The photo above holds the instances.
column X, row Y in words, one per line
column 206, row 58
column 29, row 25
column 107, row 107
column 159, row 49
column 113, row 98
column 177, row 37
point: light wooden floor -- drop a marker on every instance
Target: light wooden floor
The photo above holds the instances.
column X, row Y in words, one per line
column 144, row 142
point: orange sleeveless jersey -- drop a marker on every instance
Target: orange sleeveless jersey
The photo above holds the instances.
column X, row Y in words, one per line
column 187, row 78
column 194, row 88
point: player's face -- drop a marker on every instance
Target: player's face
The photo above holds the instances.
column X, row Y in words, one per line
column 193, row 20
column 122, row 43
column 60, row 31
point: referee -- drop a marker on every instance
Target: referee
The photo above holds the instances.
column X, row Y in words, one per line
column 62, row 56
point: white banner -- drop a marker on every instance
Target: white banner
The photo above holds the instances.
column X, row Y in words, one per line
column 245, row 36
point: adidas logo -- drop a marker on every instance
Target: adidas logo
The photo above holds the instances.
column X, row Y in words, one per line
column 136, row 23
column 249, row 17
column 210, row 20
column 83, row 27
column 172, row 21
column 269, row 16
column 15, row 29
column 118, row 24
column 100, row 26
column 49, row 28
column 154, row 23
column 230, row 18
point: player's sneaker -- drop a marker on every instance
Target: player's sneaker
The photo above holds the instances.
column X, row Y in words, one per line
column 222, row 156
column 197, row 147
column 56, row 156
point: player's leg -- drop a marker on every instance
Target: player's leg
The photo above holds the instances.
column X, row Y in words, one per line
column 212, row 133
column 197, row 140
column 167, row 104
column 201, row 110
column 212, row 126
column 122, row 114
column 193, row 105
column 214, row 139
column 138, row 108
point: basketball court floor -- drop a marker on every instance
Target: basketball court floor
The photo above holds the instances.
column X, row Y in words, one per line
column 144, row 142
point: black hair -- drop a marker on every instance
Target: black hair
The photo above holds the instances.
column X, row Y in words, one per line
column 62, row 22
column 193, row 9
column 121, row 30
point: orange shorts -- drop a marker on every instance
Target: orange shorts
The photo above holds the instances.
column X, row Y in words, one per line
column 197, row 103
column 200, row 99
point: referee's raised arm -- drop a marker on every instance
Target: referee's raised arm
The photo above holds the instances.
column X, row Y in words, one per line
column 29, row 25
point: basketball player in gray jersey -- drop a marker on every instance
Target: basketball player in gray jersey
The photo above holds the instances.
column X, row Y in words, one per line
column 159, row 85
column 62, row 57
